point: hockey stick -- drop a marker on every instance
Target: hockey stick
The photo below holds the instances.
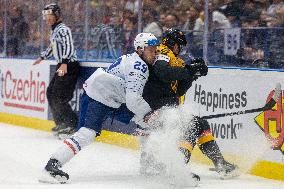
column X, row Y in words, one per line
column 267, row 106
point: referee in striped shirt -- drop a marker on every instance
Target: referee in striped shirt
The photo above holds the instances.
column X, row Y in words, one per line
column 62, row 85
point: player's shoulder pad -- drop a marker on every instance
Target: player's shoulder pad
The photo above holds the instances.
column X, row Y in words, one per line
column 162, row 49
column 163, row 57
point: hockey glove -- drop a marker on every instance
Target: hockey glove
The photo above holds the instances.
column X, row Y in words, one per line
column 147, row 121
column 150, row 117
column 146, row 125
column 197, row 67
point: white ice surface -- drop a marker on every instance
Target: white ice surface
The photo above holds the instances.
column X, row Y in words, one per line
column 24, row 152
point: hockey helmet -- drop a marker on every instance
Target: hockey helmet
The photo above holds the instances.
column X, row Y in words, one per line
column 173, row 36
column 52, row 9
column 143, row 40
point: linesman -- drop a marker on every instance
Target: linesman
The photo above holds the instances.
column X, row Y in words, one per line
column 62, row 85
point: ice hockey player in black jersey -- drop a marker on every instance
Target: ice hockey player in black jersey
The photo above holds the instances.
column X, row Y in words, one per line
column 169, row 79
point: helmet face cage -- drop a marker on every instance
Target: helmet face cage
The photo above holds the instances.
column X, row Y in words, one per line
column 174, row 36
column 51, row 9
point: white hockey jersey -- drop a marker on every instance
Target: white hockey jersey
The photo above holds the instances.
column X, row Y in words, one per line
column 122, row 82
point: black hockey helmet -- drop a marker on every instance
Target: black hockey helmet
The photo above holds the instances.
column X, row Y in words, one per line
column 52, row 8
column 174, row 36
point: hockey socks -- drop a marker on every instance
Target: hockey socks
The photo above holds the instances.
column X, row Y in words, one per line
column 71, row 146
column 212, row 151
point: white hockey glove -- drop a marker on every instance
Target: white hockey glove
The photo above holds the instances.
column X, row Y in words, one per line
column 147, row 124
column 151, row 117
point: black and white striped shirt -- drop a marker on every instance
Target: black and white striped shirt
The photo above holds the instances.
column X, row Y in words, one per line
column 61, row 45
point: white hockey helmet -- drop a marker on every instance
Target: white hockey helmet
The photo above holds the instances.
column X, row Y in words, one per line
column 144, row 40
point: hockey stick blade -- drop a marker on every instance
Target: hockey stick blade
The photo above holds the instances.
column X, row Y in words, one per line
column 270, row 104
column 274, row 99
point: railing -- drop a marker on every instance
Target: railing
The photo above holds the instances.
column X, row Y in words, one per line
column 100, row 35
column 241, row 47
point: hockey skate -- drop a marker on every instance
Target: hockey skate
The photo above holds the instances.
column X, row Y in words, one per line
column 149, row 166
column 55, row 129
column 58, row 128
column 185, row 180
column 227, row 170
column 52, row 174
column 65, row 133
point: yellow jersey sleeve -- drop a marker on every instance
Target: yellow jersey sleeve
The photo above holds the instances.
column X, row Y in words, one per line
column 164, row 51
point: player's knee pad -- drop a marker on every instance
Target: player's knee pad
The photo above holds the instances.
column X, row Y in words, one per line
column 83, row 137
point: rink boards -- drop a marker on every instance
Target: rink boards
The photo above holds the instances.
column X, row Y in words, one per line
column 255, row 141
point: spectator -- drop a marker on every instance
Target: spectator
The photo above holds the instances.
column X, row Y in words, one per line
column 226, row 4
column 251, row 20
column 152, row 3
column 162, row 21
column 216, row 20
column 252, row 39
column 277, row 20
column 264, row 18
column 276, row 52
column 130, row 32
column 150, row 19
column 33, row 43
column 172, row 21
column 126, row 14
column 79, row 12
column 276, row 4
column 232, row 10
column 233, row 16
column 192, row 15
column 18, row 32
column 249, row 7
column 132, row 5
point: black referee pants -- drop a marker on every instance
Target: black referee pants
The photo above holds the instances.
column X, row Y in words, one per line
column 59, row 92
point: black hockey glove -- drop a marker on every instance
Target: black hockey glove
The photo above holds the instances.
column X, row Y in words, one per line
column 197, row 67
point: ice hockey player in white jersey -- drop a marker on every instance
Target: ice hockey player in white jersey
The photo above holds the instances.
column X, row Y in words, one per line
column 122, row 83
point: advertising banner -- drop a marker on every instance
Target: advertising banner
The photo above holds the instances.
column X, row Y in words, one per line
column 23, row 88
column 254, row 135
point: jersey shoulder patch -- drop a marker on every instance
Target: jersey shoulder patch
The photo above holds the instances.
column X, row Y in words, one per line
column 163, row 57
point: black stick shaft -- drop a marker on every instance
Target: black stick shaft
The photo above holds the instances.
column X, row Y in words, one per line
column 267, row 106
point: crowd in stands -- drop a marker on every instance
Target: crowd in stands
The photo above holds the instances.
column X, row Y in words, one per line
column 106, row 28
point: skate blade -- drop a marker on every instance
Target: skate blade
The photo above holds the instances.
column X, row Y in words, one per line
column 63, row 136
column 184, row 182
column 48, row 179
column 231, row 175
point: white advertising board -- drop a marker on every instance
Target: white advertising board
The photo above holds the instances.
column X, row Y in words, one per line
column 23, row 87
column 256, row 135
